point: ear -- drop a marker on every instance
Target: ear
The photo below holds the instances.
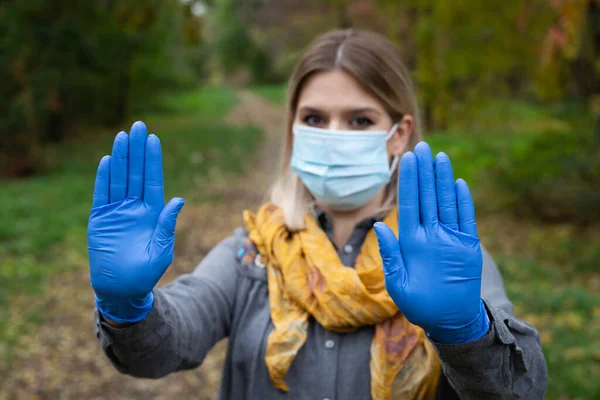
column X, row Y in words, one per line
column 398, row 143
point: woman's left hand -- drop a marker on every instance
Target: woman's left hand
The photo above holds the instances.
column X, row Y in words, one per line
column 433, row 269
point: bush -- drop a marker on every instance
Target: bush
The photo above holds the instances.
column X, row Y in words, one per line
column 554, row 174
column 68, row 63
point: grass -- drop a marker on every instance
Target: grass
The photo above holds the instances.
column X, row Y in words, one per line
column 549, row 270
column 273, row 93
column 44, row 218
column 566, row 313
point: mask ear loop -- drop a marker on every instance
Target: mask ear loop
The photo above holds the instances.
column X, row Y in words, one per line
column 392, row 131
column 388, row 137
column 394, row 164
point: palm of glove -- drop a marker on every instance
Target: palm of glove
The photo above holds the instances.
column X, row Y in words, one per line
column 449, row 262
column 131, row 232
column 120, row 249
column 433, row 269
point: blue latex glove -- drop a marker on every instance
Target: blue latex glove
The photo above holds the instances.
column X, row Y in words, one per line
column 131, row 232
column 433, row 269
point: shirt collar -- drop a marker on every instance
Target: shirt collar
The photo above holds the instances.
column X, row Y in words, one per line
column 326, row 223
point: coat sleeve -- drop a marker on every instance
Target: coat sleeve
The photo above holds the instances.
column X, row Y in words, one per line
column 190, row 315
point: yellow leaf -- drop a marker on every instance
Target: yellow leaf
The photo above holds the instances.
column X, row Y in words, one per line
column 574, row 353
column 546, row 337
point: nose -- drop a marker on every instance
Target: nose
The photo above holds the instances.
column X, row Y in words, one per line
column 336, row 124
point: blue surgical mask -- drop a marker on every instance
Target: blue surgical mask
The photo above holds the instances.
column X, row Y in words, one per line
column 342, row 169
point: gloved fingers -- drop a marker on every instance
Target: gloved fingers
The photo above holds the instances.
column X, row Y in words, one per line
column 153, row 175
column 408, row 195
column 446, row 191
column 102, row 185
column 389, row 249
column 427, row 194
column 466, row 208
column 137, row 148
column 164, row 233
column 118, row 168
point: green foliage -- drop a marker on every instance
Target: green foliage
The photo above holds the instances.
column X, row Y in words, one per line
column 274, row 93
column 570, row 52
column 234, row 46
column 554, row 174
column 463, row 53
column 64, row 63
column 233, row 42
column 467, row 51
column 539, row 162
column 44, row 218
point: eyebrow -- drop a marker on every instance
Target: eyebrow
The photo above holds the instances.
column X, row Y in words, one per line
column 317, row 110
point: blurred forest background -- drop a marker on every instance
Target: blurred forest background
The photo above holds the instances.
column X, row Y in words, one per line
column 509, row 89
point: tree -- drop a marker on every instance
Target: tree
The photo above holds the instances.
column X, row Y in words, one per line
column 67, row 62
column 235, row 48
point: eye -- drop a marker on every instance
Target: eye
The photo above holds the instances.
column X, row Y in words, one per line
column 313, row 120
column 362, row 122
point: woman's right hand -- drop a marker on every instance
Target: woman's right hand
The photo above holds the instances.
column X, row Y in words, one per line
column 131, row 232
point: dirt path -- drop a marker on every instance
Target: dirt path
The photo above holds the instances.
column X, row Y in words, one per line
column 61, row 358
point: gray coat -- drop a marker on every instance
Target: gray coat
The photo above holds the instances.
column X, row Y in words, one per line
column 226, row 296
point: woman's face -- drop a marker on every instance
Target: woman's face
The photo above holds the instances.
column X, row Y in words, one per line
column 335, row 100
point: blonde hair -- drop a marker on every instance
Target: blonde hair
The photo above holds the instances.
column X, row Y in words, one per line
column 375, row 62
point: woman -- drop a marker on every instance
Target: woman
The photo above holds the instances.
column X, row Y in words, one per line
column 309, row 291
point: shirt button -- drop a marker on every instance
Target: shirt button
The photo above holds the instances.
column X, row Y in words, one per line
column 330, row 344
column 348, row 249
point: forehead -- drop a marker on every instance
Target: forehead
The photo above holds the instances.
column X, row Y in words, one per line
column 336, row 89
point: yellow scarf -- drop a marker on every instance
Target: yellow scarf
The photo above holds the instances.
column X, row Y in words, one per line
column 306, row 278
